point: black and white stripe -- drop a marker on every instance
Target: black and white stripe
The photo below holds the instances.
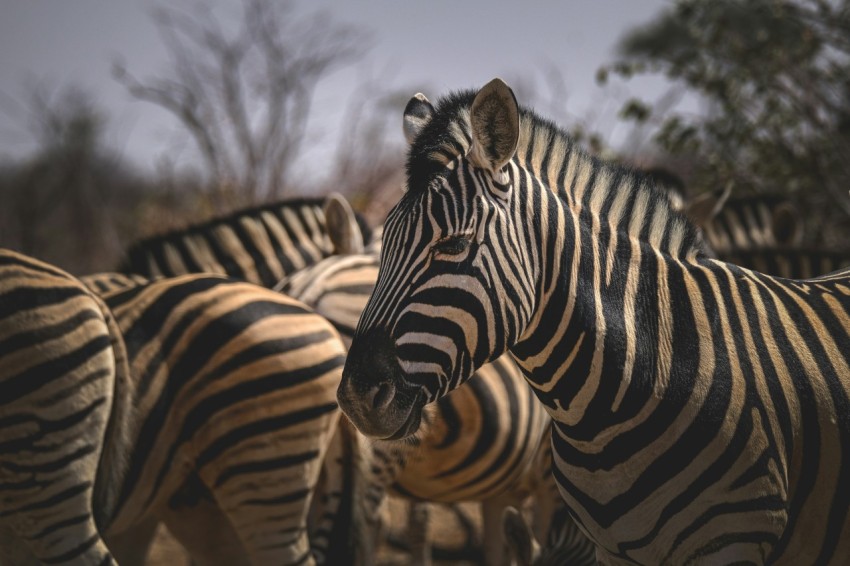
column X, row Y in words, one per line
column 232, row 412
column 260, row 245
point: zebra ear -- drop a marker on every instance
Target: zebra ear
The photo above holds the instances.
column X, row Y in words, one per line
column 343, row 229
column 417, row 113
column 494, row 118
column 519, row 538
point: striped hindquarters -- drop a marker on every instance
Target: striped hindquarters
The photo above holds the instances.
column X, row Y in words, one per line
column 235, row 402
column 482, row 441
column 57, row 379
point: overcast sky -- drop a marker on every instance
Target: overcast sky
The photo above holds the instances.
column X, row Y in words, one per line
column 435, row 46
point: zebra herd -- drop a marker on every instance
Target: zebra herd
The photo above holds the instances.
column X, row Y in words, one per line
column 648, row 401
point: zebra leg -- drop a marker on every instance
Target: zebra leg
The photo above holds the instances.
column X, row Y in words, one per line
column 202, row 528
column 417, row 534
column 495, row 551
column 131, row 547
column 81, row 544
column 545, row 499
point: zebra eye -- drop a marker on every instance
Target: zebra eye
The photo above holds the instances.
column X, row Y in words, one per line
column 452, row 245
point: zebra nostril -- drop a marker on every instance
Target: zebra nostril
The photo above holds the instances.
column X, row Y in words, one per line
column 383, row 396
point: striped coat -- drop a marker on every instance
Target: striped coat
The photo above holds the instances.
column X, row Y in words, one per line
column 63, row 394
column 260, row 245
column 232, row 412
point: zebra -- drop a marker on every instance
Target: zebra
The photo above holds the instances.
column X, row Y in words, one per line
column 63, row 373
column 763, row 233
column 232, row 411
column 734, row 224
column 700, row 409
column 109, row 281
column 260, row 245
column 564, row 545
column 744, row 223
column 481, row 443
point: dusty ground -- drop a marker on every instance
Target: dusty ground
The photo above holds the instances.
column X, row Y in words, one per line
column 444, row 529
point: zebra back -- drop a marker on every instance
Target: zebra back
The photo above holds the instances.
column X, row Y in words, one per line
column 111, row 281
column 259, row 245
column 63, row 399
column 791, row 263
column 762, row 233
column 763, row 221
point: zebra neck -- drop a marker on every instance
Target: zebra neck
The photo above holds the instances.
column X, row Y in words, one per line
column 601, row 341
column 582, row 188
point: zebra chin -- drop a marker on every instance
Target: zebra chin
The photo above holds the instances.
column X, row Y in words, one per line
column 375, row 393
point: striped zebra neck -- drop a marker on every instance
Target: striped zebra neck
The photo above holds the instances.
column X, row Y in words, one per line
column 549, row 162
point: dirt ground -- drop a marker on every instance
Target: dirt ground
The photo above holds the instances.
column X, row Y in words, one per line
column 444, row 530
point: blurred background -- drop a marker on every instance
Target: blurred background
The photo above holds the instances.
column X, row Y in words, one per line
column 123, row 119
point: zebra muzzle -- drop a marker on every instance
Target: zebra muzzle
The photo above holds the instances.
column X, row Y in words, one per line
column 374, row 392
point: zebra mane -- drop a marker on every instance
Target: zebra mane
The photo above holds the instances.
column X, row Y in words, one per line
column 448, row 135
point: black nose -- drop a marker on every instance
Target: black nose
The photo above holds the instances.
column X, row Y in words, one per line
column 381, row 396
column 369, row 396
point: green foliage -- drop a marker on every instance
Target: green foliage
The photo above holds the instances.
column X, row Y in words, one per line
column 773, row 77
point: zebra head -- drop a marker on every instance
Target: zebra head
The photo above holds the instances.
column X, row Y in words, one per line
column 453, row 289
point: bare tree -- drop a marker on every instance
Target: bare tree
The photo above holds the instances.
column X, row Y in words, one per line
column 369, row 158
column 245, row 96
